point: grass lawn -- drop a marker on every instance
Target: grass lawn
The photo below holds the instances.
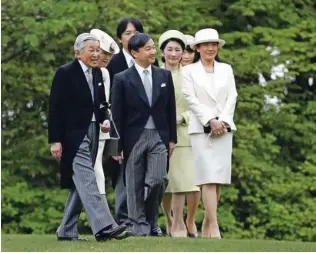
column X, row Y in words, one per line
column 49, row 243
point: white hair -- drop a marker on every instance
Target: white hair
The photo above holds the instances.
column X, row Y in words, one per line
column 82, row 38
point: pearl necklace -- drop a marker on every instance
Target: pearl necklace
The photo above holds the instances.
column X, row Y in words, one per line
column 207, row 71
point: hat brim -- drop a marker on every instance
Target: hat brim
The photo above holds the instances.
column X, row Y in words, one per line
column 221, row 43
column 110, row 42
column 116, row 48
column 172, row 34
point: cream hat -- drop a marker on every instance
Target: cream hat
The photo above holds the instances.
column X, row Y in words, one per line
column 172, row 34
column 207, row 35
column 107, row 43
column 189, row 38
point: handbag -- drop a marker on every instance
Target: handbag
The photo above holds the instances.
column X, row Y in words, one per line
column 208, row 129
column 111, row 145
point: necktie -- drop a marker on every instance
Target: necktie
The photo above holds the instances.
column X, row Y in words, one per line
column 90, row 81
column 147, row 86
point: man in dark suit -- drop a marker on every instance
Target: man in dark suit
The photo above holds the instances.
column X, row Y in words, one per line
column 126, row 28
column 75, row 116
column 143, row 108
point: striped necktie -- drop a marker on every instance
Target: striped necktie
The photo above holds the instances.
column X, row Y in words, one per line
column 90, row 81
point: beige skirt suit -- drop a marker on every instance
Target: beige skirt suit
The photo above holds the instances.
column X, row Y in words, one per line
column 210, row 95
column 181, row 171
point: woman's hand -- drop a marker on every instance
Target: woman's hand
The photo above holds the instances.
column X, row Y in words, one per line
column 218, row 127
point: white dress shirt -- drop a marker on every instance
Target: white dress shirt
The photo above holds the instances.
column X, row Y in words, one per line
column 129, row 59
column 85, row 68
column 140, row 71
column 150, row 122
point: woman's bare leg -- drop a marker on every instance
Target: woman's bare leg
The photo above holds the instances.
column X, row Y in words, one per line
column 166, row 206
column 193, row 200
column 210, row 226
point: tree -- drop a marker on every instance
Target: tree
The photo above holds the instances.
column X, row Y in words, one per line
column 274, row 163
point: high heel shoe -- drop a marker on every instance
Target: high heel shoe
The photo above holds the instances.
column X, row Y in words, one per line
column 195, row 235
column 216, row 237
column 179, row 234
column 192, row 235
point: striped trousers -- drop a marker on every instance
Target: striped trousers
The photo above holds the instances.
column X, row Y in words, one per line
column 145, row 180
column 85, row 193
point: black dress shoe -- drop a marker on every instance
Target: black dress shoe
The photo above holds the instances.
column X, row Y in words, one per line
column 156, row 232
column 72, row 239
column 110, row 232
column 124, row 235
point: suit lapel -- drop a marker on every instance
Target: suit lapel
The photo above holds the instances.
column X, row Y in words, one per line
column 202, row 77
column 81, row 79
column 95, row 85
column 156, row 84
column 137, row 82
column 122, row 61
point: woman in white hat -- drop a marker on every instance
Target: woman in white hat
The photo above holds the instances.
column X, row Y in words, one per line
column 209, row 88
column 189, row 55
column 181, row 173
column 108, row 48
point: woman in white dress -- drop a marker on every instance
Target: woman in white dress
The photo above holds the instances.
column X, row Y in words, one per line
column 209, row 88
column 108, row 47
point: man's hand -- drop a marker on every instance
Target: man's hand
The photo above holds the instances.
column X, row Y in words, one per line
column 218, row 127
column 171, row 148
column 105, row 126
column 56, row 150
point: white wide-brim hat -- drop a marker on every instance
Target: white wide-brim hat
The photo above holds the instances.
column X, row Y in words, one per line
column 107, row 43
column 190, row 39
column 207, row 35
column 172, row 34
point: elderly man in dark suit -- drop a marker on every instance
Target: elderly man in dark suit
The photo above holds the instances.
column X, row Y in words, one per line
column 143, row 108
column 77, row 109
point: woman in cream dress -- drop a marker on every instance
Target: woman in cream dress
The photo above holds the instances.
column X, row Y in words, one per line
column 181, row 173
column 108, row 47
column 209, row 88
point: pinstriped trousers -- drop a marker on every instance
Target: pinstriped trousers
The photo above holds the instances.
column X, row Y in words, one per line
column 145, row 180
column 85, row 193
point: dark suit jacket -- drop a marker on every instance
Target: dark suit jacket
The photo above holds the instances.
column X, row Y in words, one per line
column 70, row 112
column 118, row 64
column 131, row 110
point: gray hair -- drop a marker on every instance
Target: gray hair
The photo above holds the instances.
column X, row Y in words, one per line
column 82, row 38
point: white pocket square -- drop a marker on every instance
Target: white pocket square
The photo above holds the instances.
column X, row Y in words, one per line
column 163, row 85
column 99, row 84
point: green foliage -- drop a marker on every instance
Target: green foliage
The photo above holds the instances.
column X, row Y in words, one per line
column 274, row 163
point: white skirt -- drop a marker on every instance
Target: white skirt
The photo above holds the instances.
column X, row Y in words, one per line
column 212, row 158
column 98, row 168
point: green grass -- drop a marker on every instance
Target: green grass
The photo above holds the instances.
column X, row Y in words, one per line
column 49, row 243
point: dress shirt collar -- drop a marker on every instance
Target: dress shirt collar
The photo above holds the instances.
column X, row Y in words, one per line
column 128, row 58
column 140, row 69
column 83, row 66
